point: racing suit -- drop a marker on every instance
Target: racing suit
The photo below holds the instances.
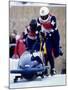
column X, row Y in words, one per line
column 51, row 38
column 32, row 40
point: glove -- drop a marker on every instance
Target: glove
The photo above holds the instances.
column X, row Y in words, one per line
column 32, row 58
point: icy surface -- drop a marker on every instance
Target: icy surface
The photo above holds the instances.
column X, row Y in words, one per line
column 46, row 81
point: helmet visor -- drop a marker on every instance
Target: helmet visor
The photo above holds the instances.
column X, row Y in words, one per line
column 44, row 17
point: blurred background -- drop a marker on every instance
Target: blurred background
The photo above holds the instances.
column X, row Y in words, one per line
column 21, row 13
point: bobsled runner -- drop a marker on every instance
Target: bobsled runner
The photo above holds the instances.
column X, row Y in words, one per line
column 29, row 67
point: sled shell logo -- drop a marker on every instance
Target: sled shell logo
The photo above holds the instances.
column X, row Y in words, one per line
column 27, row 65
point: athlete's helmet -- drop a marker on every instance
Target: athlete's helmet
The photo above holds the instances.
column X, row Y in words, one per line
column 44, row 11
column 33, row 24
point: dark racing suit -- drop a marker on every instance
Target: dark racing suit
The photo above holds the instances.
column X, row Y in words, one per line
column 33, row 43
column 32, row 40
column 52, row 38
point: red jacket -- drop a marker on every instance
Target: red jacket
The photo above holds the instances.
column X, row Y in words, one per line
column 20, row 48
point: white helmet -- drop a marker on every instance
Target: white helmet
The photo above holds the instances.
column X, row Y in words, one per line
column 44, row 11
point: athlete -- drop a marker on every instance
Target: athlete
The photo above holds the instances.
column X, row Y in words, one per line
column 32, row 40
column 51, row 36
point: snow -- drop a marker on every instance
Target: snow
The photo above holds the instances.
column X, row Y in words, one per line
column 46, row 81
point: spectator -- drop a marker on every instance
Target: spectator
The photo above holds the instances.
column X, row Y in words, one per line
column 20, row 47
column 12, row 43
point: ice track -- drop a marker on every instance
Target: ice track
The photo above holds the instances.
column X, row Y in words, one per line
column 46, row 81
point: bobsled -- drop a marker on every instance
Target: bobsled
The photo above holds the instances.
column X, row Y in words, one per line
column 30, row 66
